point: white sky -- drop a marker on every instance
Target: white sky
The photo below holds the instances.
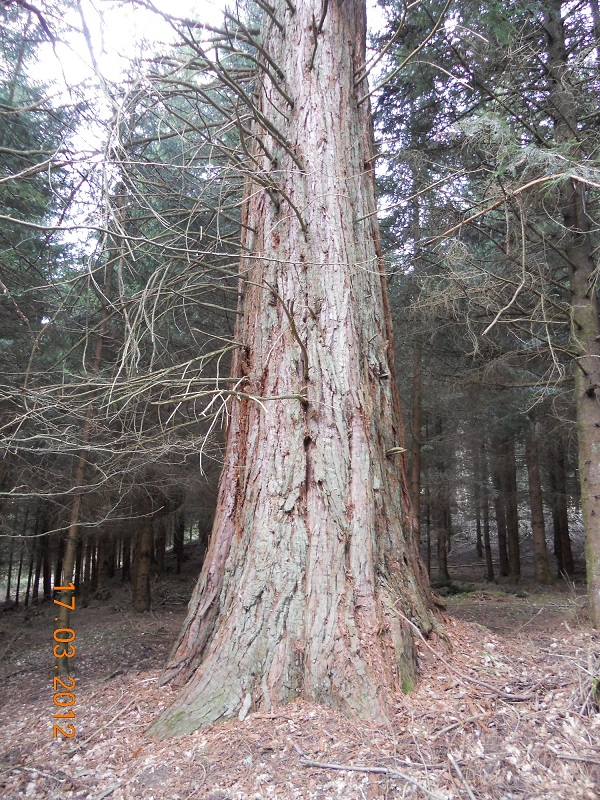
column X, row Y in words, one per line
column 120, row 31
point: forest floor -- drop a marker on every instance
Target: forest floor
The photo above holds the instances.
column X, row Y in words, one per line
column 506, row 712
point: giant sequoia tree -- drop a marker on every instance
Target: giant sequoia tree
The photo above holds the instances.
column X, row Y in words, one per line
column 312, row 569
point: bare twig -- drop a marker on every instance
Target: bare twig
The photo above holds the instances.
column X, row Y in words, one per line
column 316, row 29
column 454, row 725
column 108, row 791
column 390, row 773
column 513, row 698
column 289, row 312
column 461, row 776
column 103, row 727
column 40, row 772
column 415, row 52
column 493, row 206
column 568, row 757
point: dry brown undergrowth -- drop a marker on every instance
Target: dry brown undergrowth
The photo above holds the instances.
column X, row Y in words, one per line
column 458, row 735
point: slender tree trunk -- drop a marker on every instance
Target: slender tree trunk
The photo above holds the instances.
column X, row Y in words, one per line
column 11, row 550
column 541, row 563
column 30, row 574
column 428, row 501
column 94, row 576
column 579, row 250
column 160, row 544
column 512, row 509
column 113, row 556
column 442, row 541
column 556, row 544
column 489, row 563
column 18, row 586
column 428, row 527
column 560, row 516
column 104, row 545
column 485, row 510
column 416, row 425
column 500, row 511
column 312, row 552
column 59, row 559
column 46, row 570
column 442, row 505
column 126, row 572
column 448, row 518
column 478, row 536
column 78, row 566
column 178, row 538
column 86, row 586
column 142, row 559
column 38, row 571
column 21, row 555
column 119, row 552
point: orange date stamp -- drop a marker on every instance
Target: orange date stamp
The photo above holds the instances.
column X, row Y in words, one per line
column 64, row 687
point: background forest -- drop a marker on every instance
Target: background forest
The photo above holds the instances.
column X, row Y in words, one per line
column 120, row 216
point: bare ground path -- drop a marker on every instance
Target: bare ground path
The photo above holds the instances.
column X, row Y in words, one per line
column 506, row 713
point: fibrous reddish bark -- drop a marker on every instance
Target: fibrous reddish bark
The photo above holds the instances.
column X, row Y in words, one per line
column 311, row 558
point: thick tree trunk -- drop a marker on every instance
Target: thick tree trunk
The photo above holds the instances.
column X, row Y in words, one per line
column 541, row 563
column 311, row 558
column 579, row 250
